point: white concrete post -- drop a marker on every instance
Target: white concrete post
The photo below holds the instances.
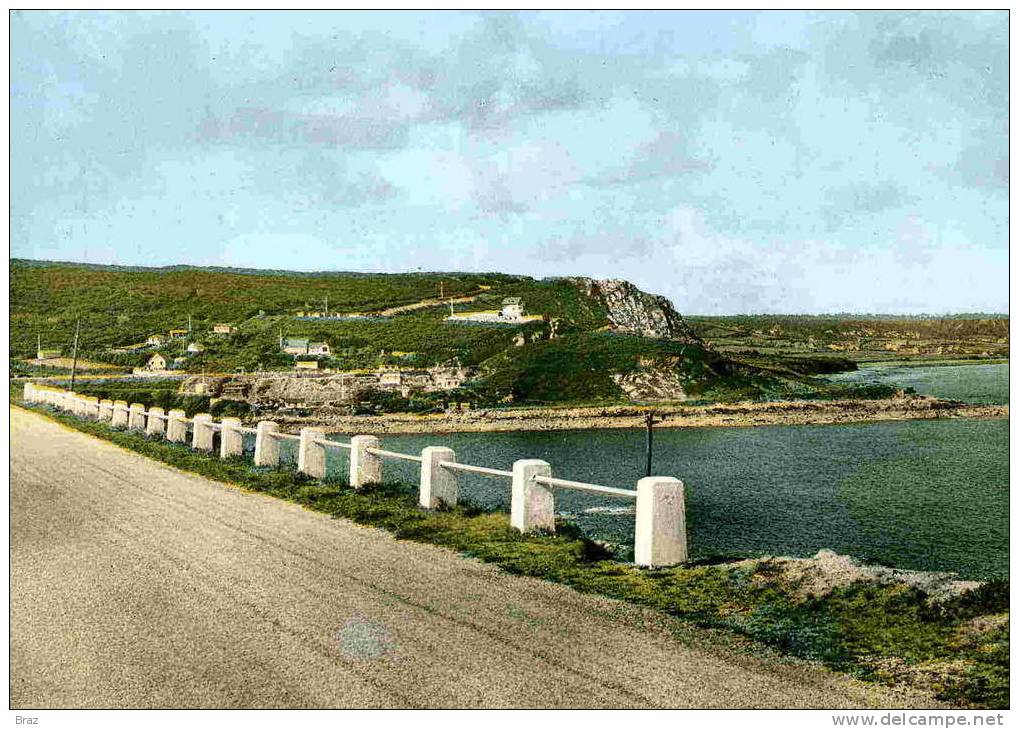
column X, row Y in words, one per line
column 438, row 485
column 311, row 455
column 106, row 410
column 136, row 417
column 531, row 504
column 29, row 393
column 267, row 445
column 202, row 432
column 365, row 467
column 120, row 415
column 231, row 439
column 660, row 535
column 78, row 405
column 92, row 409
column 177, row 427
column 155, row 424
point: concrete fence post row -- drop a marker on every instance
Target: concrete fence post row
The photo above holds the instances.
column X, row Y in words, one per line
column 660, row 528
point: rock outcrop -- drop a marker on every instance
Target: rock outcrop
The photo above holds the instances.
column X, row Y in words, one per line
column 631, row 310
column 652, row 385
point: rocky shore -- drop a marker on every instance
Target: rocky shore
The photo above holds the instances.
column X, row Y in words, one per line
column 797, row 412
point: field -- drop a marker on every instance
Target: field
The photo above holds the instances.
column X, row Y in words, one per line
column 857, row 339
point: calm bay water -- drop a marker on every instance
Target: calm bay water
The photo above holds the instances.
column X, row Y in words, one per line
column 984, row 384
column 929, row 495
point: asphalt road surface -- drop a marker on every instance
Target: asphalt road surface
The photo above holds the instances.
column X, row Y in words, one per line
column 136, row 585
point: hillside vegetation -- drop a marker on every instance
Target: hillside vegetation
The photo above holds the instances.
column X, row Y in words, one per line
column 760, row 338
column 589, row 334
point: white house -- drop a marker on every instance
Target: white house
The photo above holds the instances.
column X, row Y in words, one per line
column 156, row 362
column 319, row 348
column 512, row 308
column 222, row 329
column 195, row 348
column 155, row 340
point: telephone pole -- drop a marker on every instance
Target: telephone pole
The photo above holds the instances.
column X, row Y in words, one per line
column 74, row 355
column 650, row 423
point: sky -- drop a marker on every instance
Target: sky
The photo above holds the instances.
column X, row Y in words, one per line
column 774, row 162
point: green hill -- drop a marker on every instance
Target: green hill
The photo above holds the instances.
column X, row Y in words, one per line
column 588, row 339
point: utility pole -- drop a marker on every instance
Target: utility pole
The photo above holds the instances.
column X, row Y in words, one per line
column 189, row 324
column 442, row 290
column 451, row 309
column 74, row 355
column 650, row 423
column 327, row 305
column 38, row 348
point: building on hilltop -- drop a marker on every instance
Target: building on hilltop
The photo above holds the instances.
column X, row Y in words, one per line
column 512, row 308
column 156, row 340
column 178, row 333
column 195, row 348
column 318, row 348
column 223, row 329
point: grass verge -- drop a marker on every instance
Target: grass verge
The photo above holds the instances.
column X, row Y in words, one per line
column 889, row 633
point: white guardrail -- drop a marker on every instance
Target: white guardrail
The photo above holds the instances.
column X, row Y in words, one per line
column 660, row 533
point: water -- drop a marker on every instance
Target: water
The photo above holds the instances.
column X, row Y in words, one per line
column 983, row 384
column 929, row 495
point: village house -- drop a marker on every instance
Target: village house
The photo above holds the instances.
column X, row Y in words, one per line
column 155, row 340
column 318, row 348
column 222, row 329
column 512, row 308
column 156, row 363
column 47, row 354
column 195, row 348
column 178, row 333
column 447, row 377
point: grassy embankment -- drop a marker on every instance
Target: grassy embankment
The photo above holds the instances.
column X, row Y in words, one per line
column 893, row 633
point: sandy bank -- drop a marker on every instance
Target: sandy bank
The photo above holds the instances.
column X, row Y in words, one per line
column 799, row 412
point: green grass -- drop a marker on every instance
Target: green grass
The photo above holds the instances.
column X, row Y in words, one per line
column 861, row 629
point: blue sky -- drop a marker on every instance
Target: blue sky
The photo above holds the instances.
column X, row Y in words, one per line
column 735, row 162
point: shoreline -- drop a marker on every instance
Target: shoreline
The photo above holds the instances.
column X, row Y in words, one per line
column 735, row 415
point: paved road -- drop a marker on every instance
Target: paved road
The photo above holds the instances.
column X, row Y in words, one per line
column 136, row 585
